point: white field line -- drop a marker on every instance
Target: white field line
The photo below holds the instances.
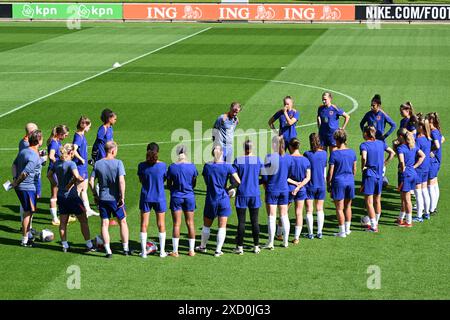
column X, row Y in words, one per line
column 100, row 73
column 353, row 100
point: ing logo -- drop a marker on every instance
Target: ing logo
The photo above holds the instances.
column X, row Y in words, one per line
column 264, row 14
column 192, row 13
column 330, row 13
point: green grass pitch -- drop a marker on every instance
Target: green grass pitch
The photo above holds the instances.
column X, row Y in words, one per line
column 195, row 80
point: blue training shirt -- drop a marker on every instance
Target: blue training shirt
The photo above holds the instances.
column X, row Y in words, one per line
column 409, row 157
column 248, row 169
column 343, row 161
column 182, row 175
column 81, row 142
column 107, row 173
column 152, row 177
column 329, row 119
column 27, row 161
column 375, row 157
column 54, row 145
column 424, row 144
column 378, row 120
column 103, row 136
column 216, row 176
column 318, row 162
column 436, row 135
column 64, row 173
column 276, row 172
column 287, row 131
column 300, row 165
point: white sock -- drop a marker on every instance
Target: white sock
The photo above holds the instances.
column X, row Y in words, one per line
column 87, row 205
column 433, row 198
column 65, row 244
column 125, row 246
column 419, row 202
column 426, row 200
column 401, row 216
column 286, row 228
column 342, row 228
column 143, row 242
column 162, row 242
column 89, row 243
column 373, row 223
column 53, row 212
column 297, row 232
column 271, row 228
column 378, row 215
column 279, row 230
column 320, row 221
column 191, row 244
column 21, row 213
column 409, row 218
column 175, row 242
column 436, row 190
column 205, row 236
column 347, row 226
column 25, row 240
column 107, row 248
column 310, row 222
column 221, row 234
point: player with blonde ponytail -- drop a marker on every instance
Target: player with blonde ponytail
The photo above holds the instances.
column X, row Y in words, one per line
column 67, row 178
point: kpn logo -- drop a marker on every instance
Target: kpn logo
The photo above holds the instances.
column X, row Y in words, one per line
column 95, row 11
column 36, row 10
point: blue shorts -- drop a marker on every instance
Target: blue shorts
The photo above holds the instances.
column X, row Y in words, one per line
column 28, row 200
column 372, row 185
column 83, row 172
column 218, row 208
column 184, row 204
column 248, row 202
column 108, row 208
column 159, row 206
column 327, row 140
column 341, row 192
column 422, row 177
column 315, row 193
column 301, row 195
column 279, row 198
column 407, row 182
column 71, row 206
column 434, row 170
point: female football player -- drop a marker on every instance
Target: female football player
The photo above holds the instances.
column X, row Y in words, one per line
column 409, row 158
column 288, row 117
column 81, row 160
column 341, row 181
column 275, row 178
column 248, row 168
column 105, row 133
column 378, row 118
column 25, row 167
column 67, row 178
column 409, row 118
column 152, row 174
column 372, row 164
column 299, row 176
column 181, row 181
column 316, row 187
column 435, row 157
column 217, row 200
column 328, row 121
column 423, row 142
column 59, row 133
